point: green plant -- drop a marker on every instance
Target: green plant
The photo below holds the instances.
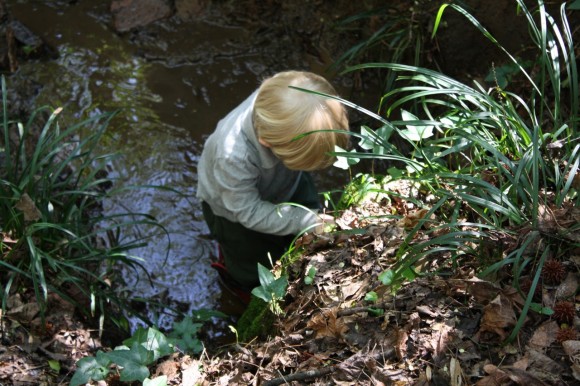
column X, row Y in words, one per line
column 56, row 238
column 310, row 273
column 393, row 33
column 144, row 348
column 498, row 161
column 271, row 289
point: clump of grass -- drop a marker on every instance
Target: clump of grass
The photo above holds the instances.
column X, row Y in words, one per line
column 55, row 238
column 499, row 161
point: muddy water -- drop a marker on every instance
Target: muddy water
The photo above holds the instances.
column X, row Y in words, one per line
column 172, row 82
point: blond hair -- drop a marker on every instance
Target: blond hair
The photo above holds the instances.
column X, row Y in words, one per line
column 283, row 115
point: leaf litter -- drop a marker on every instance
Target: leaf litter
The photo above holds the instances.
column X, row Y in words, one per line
column 446, row 327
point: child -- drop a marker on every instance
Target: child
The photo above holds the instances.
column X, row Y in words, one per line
column 253, row 162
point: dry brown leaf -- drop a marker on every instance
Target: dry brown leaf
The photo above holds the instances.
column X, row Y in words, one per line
column 327, row 323
column 355, row 290
column 543, row 367
column 568, row 287
column 572, row 349
column 412, row 218
column 24, row 312
column 28, row 208
column 576, row 371
column 348, row 220
column 483, row 291
column 440, row 338
column 508, row 376
column 401, row 343
column 192, row 376
column 496, row 377
column 498, row 315
column 544, row 335
column 455, row 372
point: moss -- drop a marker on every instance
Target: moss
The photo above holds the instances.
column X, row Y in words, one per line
column 257, row 321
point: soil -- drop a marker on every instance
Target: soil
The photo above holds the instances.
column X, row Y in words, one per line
column 445, row 327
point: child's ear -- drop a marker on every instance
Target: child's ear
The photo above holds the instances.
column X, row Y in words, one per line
column 263, row 142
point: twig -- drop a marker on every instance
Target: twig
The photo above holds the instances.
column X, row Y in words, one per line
column 301, row 376
column 305, row 375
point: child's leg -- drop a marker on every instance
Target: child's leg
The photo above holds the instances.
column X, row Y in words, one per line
column 243, row 248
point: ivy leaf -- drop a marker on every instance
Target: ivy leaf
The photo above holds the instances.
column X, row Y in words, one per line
column 278, row 287
column 415, row 133
column 345, row 162
column 371, row 296
column 266, row 277
column 184, row 336
column 134, row 362
column 91, row 368
column 153, row 340
column 261, row 293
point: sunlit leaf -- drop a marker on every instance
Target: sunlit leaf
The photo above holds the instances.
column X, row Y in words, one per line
column 91, row 368
column 387, row 277
column 415, row 132
column 371, row 296
column 158, row 381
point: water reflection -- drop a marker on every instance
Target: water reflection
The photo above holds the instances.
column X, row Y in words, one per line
column 166, row 108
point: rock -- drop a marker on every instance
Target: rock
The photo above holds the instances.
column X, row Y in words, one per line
column 190, row 9
column 129, row 14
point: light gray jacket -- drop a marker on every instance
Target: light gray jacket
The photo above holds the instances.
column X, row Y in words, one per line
column 243, row 181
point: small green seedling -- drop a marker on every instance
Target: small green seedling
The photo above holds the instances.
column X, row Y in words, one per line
column 309, row 278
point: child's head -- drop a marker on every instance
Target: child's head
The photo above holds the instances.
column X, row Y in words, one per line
column 281, row 114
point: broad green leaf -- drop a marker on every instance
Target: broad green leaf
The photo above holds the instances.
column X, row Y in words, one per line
column 575, row 5
column 395, row 172
column 409, row 274
column 415, row 133
column 91, row 368
column 344, row 162
column 371, row 296
column 133, row 362
column 387, row 277
column 266, row 277
column 54, row 365
column 152, row 340
column 278, row 287
column 184, row 335
column 261, row 293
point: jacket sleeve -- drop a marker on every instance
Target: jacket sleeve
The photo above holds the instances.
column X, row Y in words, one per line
column 237, row 182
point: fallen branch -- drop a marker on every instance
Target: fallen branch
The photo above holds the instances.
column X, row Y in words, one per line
column 310, row 374
column 303, row 376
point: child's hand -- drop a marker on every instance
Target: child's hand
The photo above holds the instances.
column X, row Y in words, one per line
column 326, row 224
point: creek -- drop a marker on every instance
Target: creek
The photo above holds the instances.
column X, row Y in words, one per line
column 172, row 82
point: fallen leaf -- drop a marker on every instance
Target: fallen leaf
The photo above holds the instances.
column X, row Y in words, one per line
column 455, row 372
column 572, row 349
column 483, row 291
column 498, row 315
column 412, row 218
column 544, row 335
column 28, row 208
column 568, row 287
column 327, row 323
